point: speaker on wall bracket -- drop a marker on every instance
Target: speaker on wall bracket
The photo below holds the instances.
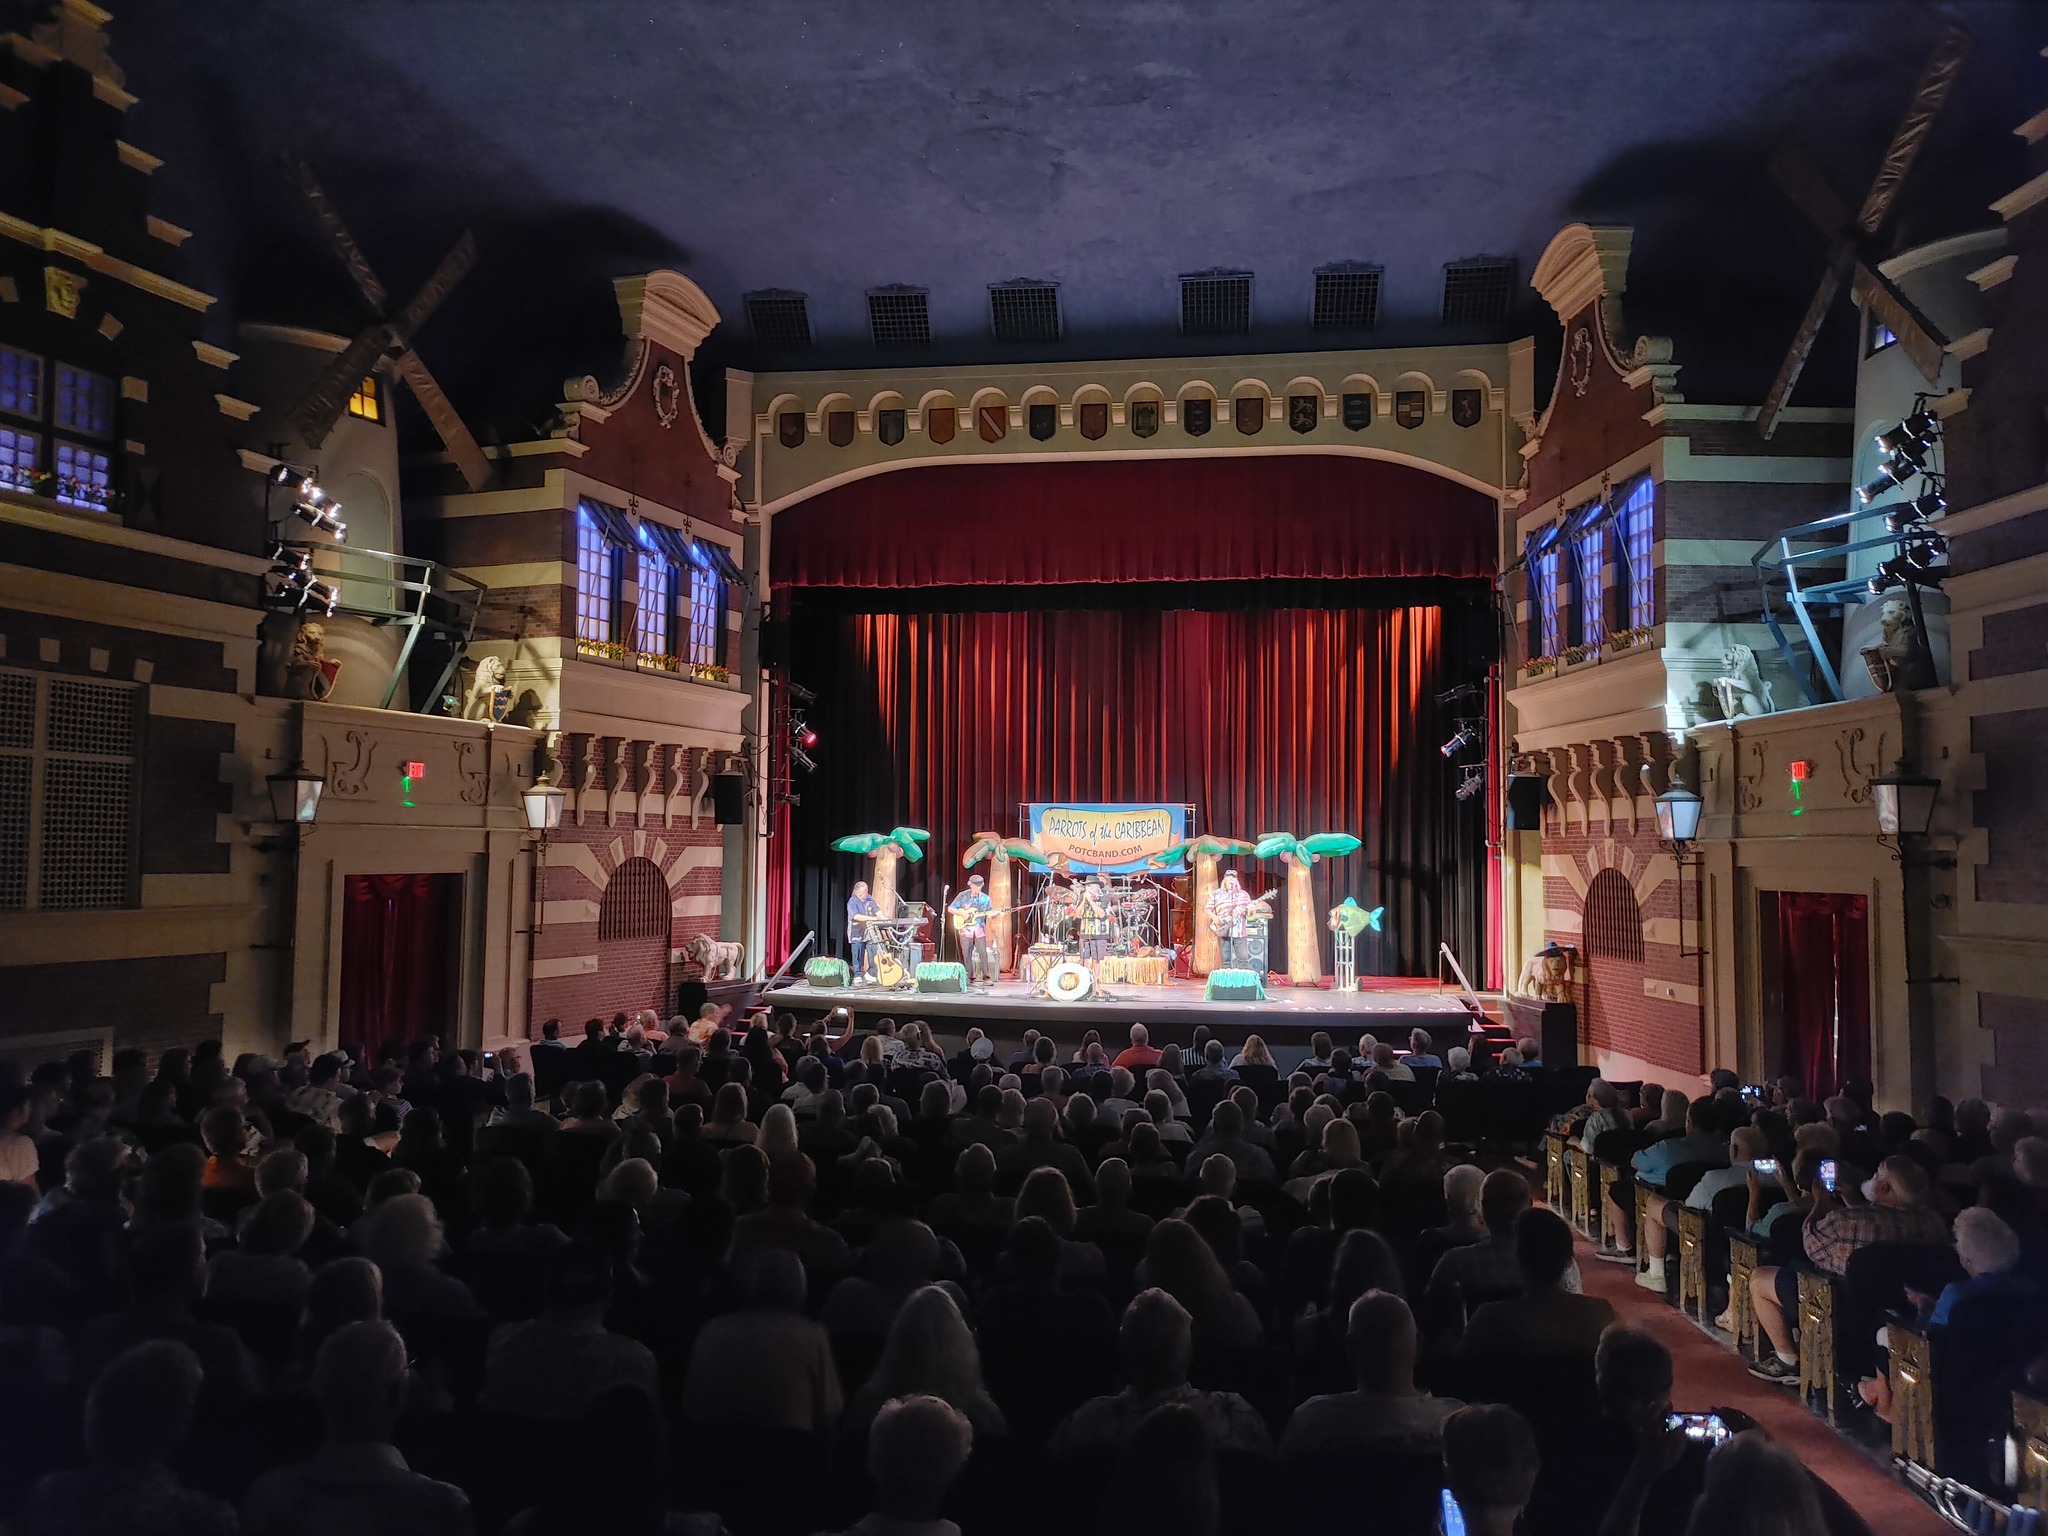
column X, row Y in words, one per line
column 728, row 798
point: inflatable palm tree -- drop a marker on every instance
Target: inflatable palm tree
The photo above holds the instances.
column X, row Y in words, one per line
column 999, row 851
column 1205, row 851
column 885, row 848
column 1299, row 854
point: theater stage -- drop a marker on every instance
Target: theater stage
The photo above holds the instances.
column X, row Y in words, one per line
column 1389, row 1006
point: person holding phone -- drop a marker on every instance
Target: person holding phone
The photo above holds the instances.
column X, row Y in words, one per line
column 1896, row 1206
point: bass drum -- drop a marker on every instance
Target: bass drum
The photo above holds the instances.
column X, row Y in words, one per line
column 1068, row 982
column 890, row 971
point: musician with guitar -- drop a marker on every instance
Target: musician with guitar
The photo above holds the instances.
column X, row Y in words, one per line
column 1229, row 905
column 1095, row 923
column 860, row 914
column 970, row 913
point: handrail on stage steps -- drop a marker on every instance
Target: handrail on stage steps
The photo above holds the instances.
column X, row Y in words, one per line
column 1465, row 993
column 753, row 994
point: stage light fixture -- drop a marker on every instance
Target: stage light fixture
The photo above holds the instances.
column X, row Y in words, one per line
column 309, row 501
column 1930, row 503
column 802, row 694
column 798, row 756
column 1473, row 782
column 1915, row 434
column 1467, row 736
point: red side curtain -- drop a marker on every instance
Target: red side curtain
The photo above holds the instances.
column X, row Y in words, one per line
column 399, row 935
column 1824, row 951
column 1298, row 720
column 1256, row 517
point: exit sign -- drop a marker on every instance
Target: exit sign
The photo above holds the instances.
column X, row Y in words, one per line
column 415, row 770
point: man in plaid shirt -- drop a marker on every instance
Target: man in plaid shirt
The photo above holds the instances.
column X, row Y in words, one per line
column 1900, row 1210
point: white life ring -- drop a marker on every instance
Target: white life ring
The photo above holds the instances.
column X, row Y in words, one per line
column 1068, row 982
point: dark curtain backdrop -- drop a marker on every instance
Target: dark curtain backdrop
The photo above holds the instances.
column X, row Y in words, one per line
column 1264, row 718
column 398, row 946
column 1237, row 518
column 1824, row 952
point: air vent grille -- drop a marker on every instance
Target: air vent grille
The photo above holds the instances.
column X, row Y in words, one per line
column 1024, row 311
column 781, row 320
column 1347, row 298
column 1216, row 303
column 899, row 317
column 1478, row 292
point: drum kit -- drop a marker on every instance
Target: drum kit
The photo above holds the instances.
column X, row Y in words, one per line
column 1133, row 915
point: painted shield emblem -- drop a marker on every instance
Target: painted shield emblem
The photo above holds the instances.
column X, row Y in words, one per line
column 839, row 428
column 1094, row 419
column 1045, row 420
column 789, row 429
column 1357, row 413
column 940, row 422
column 1249, row 411
column 992, row 422
column 889, row 426
column 1195, row 416
column 1144, row 418
column 1410, row 407
column 1465, row 404
column 1302, row 412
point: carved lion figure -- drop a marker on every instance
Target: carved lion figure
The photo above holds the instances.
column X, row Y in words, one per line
column 721, row 961
column 308, row 674
column 1741, row 687
column 483, row 701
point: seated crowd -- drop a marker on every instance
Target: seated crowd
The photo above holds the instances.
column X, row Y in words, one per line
column 763, row 1280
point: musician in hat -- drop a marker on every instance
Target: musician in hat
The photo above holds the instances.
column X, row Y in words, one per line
column 1094, row 922
column 1229, row 905
column 970, row 920
column 860, row 914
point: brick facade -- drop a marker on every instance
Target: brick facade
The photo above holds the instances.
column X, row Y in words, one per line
column 1617, row 1009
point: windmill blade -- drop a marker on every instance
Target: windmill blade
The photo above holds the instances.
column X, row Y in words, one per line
column 1797, row 353
column 462, row 447
column 321, row 409
column 337, row 234
column 454, row 266
column 1800, row 179
column 1937, row 80
column 1921, row 338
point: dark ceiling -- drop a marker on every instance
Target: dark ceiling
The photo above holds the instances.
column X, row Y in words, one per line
column 1108, row 146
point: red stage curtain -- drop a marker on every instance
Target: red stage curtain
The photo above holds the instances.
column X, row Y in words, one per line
column 1292, row 720
column 398, row 948
column 1824, row 954
column 1238, row 518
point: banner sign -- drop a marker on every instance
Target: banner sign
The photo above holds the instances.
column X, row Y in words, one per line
column 1117, row 839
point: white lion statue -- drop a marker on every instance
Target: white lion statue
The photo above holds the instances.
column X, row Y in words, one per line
column 488, row 696
column 721, row 961
column 1741, row 687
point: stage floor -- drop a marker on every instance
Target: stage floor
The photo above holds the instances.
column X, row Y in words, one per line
column 1288, row 1014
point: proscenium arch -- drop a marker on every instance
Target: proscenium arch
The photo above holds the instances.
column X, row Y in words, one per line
column 1234, row 450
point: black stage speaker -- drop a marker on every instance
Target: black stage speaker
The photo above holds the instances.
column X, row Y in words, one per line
column 728, row 798
column 1528, row 794
column 774, row 643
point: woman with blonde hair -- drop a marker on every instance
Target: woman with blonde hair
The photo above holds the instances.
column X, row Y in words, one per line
column 777, row 1136
column 729, row 1122
column 928, row 1351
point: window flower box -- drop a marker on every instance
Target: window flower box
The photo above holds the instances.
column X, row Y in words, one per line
column 1575, row 654
column 1629, row 639
column 1539, row 666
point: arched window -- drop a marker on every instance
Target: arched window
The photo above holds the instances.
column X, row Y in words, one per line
column 1614, row 923
column 636, row 903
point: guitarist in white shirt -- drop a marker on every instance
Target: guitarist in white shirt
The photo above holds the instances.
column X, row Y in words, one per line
column 1228, row 905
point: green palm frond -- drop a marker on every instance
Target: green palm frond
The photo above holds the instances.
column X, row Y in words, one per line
column 1026, row 851
column 1331, row 844
column 909, row 841
column 1278, row 845
column 859, row 842
column 986, row 845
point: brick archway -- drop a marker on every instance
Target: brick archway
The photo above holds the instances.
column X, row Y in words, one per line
column 634, row 919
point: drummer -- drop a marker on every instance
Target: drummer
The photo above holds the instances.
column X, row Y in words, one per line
column 860, row 913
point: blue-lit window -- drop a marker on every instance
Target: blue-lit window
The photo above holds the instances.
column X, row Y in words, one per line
column 82, row 475
column 597, row 582
column 1546, row 573
column 21, row 382
column 1635, row 539
column 707, row 617
column 1589, row 585
column 1881, row 336
column 655, row 622
column 85, row 402
column 17, row 459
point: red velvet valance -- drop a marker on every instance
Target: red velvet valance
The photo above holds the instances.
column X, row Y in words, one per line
column 1239, row 518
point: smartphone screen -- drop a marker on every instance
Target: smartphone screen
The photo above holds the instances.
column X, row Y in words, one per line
column 1454, row 1517
column 1827, row 1175
column 1765, row 1165
column 1707, row 1428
